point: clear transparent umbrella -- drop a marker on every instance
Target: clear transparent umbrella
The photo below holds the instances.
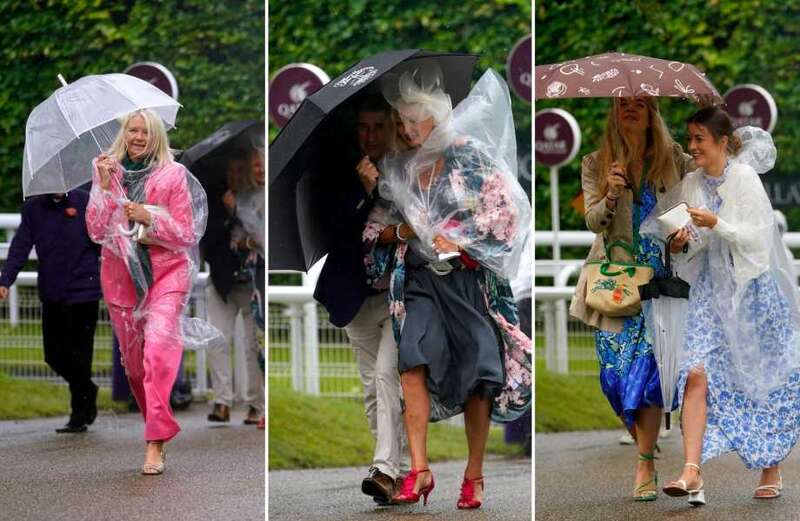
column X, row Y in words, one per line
column 67, row 130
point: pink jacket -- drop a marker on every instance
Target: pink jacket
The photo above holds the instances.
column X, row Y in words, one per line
column 171, row 236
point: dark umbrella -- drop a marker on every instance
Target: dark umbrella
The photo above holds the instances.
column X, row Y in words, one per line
column 219, row 140
column 311, row 145
column 622, row 75
column 207, row 159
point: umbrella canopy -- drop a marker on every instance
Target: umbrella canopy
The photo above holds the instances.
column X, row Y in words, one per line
column 208, row 158
column 309, row 147
column 620, row 75
column 78, row 121
column 236, row 133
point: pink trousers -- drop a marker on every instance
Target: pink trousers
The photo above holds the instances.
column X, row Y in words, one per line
column 151, row 346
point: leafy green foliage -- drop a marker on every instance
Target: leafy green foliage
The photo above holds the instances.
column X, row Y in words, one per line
column 335, row 35
column 748, row 41
column 214, row 49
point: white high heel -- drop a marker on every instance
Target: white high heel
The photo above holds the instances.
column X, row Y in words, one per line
column 679, row 488
column 775, row 489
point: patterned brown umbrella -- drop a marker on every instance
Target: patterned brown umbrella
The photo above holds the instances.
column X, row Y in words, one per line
column 621, row 75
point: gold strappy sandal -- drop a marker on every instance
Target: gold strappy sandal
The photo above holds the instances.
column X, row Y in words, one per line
column 154, row 469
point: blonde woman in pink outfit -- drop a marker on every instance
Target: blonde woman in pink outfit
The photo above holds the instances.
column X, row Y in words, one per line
column 145, row 211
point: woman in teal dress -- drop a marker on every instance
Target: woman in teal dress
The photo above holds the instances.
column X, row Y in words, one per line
column 622, row 182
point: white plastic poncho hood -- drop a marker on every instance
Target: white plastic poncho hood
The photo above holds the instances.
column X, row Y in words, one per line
column 461, row 183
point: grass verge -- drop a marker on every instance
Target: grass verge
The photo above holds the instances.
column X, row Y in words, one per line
column 24, row 399
column 312, row 432
column 571, row 403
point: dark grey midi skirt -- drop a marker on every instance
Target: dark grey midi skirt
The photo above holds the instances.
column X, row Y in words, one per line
column 449, row 331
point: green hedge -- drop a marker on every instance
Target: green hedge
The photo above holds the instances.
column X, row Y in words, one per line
column 334, row 35
column 748, row 41
column 214, row 49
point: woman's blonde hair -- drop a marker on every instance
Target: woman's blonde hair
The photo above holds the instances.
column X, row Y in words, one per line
column 156, row 151
column 248, row 182
column 659, row 146
column 394, row 141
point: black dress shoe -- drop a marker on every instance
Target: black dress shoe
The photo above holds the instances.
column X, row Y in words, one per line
column 252, row 416
column 220, row 413
column 378, row 485
column 72, row 428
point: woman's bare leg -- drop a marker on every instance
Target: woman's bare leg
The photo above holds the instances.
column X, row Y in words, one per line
column 648, row 422
column 476, row 427
column 416, row 416
column 693, row 423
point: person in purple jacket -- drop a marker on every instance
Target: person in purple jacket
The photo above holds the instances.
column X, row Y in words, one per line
column 69, row 288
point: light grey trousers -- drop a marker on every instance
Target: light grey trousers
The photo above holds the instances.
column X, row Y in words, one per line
column 222, row 315
column 373, row 343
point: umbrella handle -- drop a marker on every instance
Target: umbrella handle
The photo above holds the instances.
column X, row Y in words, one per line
column 129, row 233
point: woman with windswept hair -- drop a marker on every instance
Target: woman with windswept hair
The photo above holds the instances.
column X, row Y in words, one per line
column 637, row 162
column 149, row 213
column 444, row 238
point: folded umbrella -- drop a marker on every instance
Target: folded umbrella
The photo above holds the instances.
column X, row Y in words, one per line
column 665, row 303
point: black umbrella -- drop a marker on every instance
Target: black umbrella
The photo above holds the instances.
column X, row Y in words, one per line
column 219, row 140
column 208, row 159
column 312, row 145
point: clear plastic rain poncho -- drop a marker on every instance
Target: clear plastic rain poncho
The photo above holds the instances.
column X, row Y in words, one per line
column 461, row 182
column 148, row 262
column 747, row 260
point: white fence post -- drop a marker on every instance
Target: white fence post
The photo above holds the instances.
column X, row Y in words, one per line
column 562, row 332
column 13, row 294
column 295, row 314
column 311, row 338
column 549, row 335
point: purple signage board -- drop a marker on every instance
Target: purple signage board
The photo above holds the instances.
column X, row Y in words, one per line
column 290, row 86
column 155, row 74
column 751, row 105
column 518, row 69
column 557, row 137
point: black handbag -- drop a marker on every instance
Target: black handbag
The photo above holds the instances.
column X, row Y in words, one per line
column 669, row 286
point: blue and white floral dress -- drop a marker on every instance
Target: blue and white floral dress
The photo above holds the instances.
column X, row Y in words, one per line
column 762, row 433
column 628, row 369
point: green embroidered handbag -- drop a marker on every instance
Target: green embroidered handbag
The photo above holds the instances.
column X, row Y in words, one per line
column 612, row 287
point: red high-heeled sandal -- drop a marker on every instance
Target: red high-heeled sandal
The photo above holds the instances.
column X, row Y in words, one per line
column 407, row 494
column 467, row 499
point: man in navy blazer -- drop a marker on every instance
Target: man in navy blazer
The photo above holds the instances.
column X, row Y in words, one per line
column 69, row 288
column 362, row 311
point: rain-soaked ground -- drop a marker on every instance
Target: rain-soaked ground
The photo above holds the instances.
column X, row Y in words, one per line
column 212, row 472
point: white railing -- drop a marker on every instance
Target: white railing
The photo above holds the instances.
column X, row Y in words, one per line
column 568, row 343
column 306, row 351
column 32, row 366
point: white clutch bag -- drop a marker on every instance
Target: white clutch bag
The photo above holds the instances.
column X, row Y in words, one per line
column 678, row 217
column 675, row 217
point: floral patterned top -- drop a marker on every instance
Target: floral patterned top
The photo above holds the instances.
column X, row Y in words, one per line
column 386, row 269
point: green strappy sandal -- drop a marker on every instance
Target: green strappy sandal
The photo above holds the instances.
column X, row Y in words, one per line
column 647, row 494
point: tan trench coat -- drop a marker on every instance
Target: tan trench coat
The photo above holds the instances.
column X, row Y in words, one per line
column 611, row 225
